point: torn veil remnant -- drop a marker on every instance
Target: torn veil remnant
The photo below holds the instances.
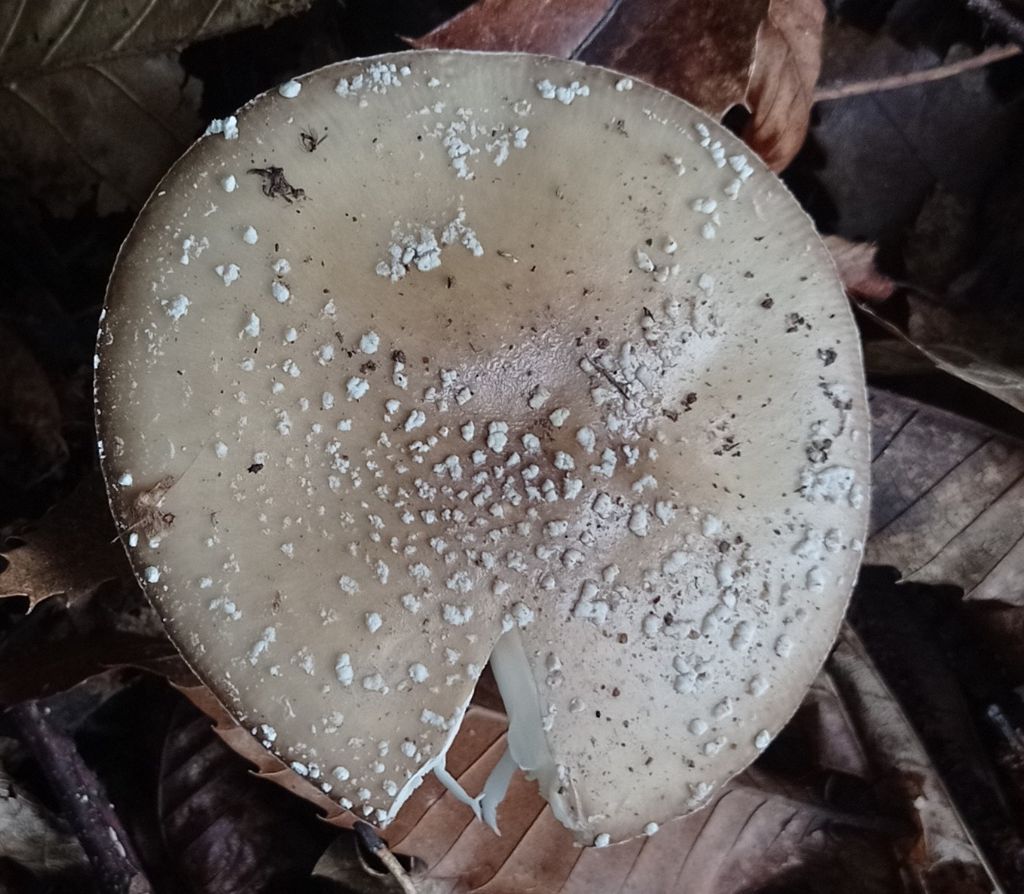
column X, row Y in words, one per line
column 619, row 469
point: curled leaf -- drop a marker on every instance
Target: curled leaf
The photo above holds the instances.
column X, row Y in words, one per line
column 786, row 64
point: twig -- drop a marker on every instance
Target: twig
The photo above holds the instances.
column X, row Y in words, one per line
column 82, row 802
column 996, row 13
column 912, row 78
column 372, row 841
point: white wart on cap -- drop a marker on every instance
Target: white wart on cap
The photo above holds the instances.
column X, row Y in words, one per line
column 434, row 359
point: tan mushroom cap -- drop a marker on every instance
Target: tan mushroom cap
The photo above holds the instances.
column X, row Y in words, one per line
column 438, row 355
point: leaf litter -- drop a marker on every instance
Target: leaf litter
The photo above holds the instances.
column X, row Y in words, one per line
column 945, row 488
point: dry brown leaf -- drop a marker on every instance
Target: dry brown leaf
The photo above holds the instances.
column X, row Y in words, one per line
column 555, row 27
column 946, row 501
column 786, row 64
column 66, row 65
column 71, row 550
column 855, row 262
column 1003, row 382
column 752, row 833
column 763, row 55
column 266, row 764
column 946, row 857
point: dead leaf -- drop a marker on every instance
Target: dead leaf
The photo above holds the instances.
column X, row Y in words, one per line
column 66, row 65
column 946, row 505
column 754, row 832
column 243, row 742
column 555, row 27
column 946, row 858
column 763, row 55
column 47, row 35
column 855, row 262
column 225, row 831
column 64, row 642
column 923, row 642
column 30, row 835
column 786, row 64
column 149, row 113
column 1002, row 382
column 70, row 550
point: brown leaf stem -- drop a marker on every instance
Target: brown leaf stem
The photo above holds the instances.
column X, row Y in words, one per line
column 913, row 78
column 82, row 801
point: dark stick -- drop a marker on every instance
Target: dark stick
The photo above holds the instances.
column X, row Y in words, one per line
column 82, row 801
column 995, row 12
column 373, row 843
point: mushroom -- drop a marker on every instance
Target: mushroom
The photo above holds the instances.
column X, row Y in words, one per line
column 435, row 359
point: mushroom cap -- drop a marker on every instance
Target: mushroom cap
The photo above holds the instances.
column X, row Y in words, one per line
column 435, row 358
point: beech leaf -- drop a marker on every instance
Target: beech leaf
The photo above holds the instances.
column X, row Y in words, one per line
column 246, row 743
column 946, row 505
column 763, row 55
column 555, row 27
column 47, row 35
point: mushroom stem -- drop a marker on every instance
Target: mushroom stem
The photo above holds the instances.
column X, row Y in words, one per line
column 458, row 792
column 437, row 766
column 527, row 742
column 495, row 789
column 373, row 843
